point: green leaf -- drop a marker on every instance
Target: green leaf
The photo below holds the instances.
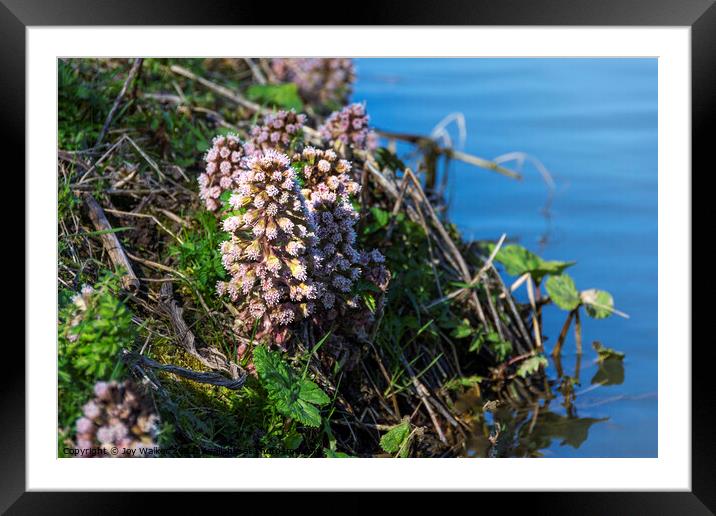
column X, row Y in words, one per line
column 395, row 439
column 605, row 353
column 531, row 366
column 382, row 217
column 477, row 342
column 293, row 441
column 292, row 396
column 563, row 292
column 332, row 454
column 502, row 348
column 312, row 393
column 462, row 330
column 518, row 261
column 369, row 301
column 306, row 414
column 598, row 304
column 279, row 95
column 467, row 381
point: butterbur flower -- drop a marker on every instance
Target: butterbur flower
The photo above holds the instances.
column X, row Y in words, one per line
column 117, row 419
column 350, row 127
column 323, row 167
column 342, row 265
column 277, row 131
column 270, row 252
column 319, row 80
column 223, row 161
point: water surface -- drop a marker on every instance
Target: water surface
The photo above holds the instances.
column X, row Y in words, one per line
column 593, row 124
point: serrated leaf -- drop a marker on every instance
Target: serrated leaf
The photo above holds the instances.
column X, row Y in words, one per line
column 394, row 439
column 312, row 393
column 599, row 304
column 531, row 365
column 563, row 292
column 292, row 396
column 307, row 414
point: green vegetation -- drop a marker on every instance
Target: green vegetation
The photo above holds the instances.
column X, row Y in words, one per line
column 94, row 327
column 397, row 440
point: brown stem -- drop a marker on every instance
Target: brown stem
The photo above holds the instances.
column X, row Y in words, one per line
column 111, row 243
column 578, row 331
column 562, row 335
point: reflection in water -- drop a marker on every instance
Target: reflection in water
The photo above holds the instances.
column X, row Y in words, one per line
column 533, row 413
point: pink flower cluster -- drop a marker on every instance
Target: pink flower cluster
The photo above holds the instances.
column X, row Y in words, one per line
column 328, row 190
column 291, row 254
column 277, row 131
column 349, row 126
column 324, row 167
column 321, row 81
column 116, row 417
column 223, row 161
column 270, row 253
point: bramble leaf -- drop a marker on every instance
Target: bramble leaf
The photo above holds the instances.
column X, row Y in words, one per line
column 531, row 366
column 395, row 440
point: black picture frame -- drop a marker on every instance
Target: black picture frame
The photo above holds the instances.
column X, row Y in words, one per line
column 700, row 15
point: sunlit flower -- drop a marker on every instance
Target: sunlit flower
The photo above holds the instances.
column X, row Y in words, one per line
column 278, row 130
column 223, row 165
column 271, row 245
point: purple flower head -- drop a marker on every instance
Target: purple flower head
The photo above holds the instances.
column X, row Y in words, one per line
column 278, row 130
column 223, row 161
column 328, row 186
column 350, row 126
column 323, row 167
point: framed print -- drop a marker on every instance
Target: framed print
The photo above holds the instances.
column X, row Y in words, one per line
column 411, row 241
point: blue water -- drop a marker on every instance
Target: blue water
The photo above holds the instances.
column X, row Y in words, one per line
column 593, row 124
